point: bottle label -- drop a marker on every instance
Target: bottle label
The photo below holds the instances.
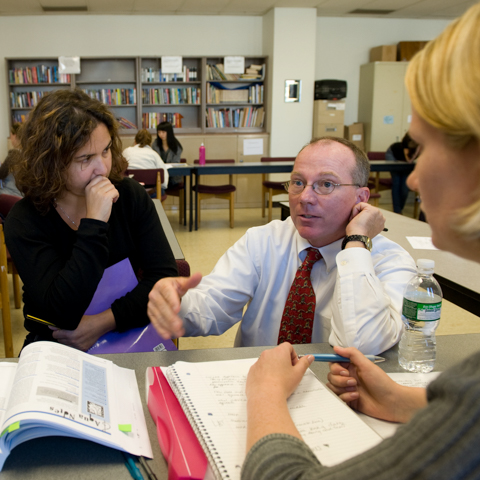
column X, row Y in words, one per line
column 421, row 312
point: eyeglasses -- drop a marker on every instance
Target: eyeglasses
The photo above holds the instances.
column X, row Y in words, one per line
column 324, row 187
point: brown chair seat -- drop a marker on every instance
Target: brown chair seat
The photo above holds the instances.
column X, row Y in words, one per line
column 213, row 189
column 274, row 185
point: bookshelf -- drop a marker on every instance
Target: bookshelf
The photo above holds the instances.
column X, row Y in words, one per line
column 235, row 102
column 140, row 96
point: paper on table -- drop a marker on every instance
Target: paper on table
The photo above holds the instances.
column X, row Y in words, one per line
column 217, row 392
column 422, row 243
column 387, row 429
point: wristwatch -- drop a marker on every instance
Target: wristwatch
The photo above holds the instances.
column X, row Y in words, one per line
column 358, row 238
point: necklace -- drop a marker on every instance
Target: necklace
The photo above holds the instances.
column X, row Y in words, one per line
column 65, row 213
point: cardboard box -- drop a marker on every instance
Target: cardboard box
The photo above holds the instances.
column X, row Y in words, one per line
column 406, row 50
column 329, row 111
column 355, row 134
column 330, row 129
column 383, row 53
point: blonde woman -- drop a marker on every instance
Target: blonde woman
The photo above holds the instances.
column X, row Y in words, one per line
column 441, row 442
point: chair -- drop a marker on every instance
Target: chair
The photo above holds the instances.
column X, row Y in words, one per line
column 178, row 190
column 272, row 188
column 216, row 191
column 150, row 178
column 6, row 203
column 5, row 297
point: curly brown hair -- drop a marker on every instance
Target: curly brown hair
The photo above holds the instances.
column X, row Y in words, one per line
column 61, row 124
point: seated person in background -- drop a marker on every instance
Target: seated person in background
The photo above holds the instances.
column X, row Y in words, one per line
column 168, row 147
column 355, row 295
column 406, row 151
column 142, row 157
column 7, row 180
column 441, row 442
column 80, row 215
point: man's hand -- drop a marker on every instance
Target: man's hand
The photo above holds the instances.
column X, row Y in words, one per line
column 164, row 304
column 100, row 194
column 365, row 220
column 368, row 389
column 89, row 330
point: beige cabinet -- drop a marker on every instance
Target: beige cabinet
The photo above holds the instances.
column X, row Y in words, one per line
column 384, row 106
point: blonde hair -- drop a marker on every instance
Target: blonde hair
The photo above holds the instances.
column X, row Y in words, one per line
column 442, row 80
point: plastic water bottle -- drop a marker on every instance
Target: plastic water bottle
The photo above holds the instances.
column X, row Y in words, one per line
column 422, row 306
column 201, row 155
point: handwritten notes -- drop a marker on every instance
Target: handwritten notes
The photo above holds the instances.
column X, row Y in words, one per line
column 213, row 395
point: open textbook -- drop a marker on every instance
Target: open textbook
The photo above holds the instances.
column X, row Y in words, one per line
column 56, row 390
column 212, row 395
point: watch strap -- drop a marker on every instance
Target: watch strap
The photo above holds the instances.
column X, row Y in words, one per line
column 358, row 238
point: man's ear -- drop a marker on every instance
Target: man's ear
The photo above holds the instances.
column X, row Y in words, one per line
column 363, row 194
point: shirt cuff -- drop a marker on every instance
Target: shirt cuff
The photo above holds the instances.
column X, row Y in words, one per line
column 354, row 260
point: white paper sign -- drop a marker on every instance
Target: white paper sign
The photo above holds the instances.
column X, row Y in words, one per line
column 172, row 65
column 253, row 146
column 68, row 64
column 357, row 137
column 234, row 64
column 422, row 243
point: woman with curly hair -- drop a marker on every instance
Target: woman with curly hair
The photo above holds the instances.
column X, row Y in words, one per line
column 79, row 216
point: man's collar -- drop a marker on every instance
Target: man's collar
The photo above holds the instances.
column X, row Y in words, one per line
column 329, row 252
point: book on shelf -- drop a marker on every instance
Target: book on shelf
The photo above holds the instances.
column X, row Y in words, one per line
column 124, row 123
column 58, row 390
column 171, row 96
column 39, row 74
column 212, row 396
column 235, row 117
column 149, row 75
column 113, row 96
column 152, row 119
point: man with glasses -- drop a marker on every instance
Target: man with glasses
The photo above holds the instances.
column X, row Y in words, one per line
column 324, row 274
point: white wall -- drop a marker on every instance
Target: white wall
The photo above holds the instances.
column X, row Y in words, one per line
column 343, row 44
column 294, row 31
column 88, row 35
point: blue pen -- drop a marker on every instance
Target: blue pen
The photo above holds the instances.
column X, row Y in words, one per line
column 132, row 468
column 331, row 357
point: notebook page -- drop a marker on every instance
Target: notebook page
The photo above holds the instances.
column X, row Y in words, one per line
column 215, row 392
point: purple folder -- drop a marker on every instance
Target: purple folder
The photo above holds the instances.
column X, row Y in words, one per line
column 117, row 281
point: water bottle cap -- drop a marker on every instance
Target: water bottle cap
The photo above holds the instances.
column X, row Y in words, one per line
column 425, row 265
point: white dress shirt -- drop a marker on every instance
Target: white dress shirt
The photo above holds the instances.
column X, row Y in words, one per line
column 358, row 293
column 144, row 158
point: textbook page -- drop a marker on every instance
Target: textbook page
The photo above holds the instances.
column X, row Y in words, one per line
column 58, row 390
column 216, row 393
column 387, row 429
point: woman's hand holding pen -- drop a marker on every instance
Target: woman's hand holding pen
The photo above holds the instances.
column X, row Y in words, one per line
column 89, row 330
column 100, row 194
column 368, row 389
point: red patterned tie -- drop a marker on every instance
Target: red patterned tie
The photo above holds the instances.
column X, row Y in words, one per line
column 297, row 319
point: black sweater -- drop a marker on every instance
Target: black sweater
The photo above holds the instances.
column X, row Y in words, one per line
column 61, row 268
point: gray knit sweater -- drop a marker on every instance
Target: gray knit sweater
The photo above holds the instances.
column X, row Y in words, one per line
column 442, row 441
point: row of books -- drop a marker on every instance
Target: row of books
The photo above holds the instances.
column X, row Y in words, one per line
column 252, row 94
column 40, row 74
column 124, row 123
column 152, row 119
column 114, row 96
column 26, row 99
column 190, row 74
column 235, row 117
column 19, row 117
column 217, row 72
column 171, row 96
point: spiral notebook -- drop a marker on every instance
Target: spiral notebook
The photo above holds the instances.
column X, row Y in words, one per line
column 212, row 395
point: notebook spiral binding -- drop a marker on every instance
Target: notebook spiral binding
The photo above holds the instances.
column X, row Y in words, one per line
column 201, row 432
